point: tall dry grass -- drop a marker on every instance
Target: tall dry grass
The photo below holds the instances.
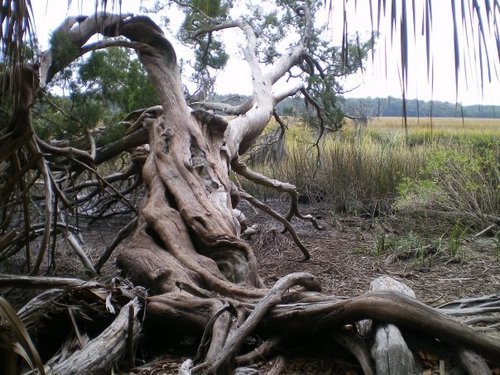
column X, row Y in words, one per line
column 366, row 170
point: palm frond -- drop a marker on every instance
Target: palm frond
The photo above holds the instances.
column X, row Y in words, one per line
column 14, row 338
column 475, row 29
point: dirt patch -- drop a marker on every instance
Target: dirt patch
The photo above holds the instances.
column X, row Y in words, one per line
column 346, row 256
column 349, row 253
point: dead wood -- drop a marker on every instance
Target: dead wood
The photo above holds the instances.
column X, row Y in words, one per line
column 261, row 353
column 265, row 208
column 357, row 347
column 274, row 296
column 390, row 351
column 102, row 353
column 185, row 246
column 122, row 234
column 472, row 363
column 39, row 282
column 243, row 170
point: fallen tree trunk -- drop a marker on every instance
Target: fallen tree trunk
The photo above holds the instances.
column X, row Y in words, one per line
column 186, row 247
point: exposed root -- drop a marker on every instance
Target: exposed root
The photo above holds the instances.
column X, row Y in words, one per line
column 289, row 227
column 472, row 363
column 273, row 297
column 266, row 350
column 357, row 347
column 101, row 353
column 240, row 168
column 278, row 366
column 122, row 234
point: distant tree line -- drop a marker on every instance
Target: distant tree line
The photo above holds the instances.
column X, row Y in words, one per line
column 392, row 107
column 389, row 107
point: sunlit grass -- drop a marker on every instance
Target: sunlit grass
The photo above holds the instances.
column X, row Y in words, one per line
column 443, row 124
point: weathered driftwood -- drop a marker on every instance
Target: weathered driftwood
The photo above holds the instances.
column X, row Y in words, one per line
column 100, row 354
column 390, row 351
column 40, row 282
column 472, row 363
column 355, row 345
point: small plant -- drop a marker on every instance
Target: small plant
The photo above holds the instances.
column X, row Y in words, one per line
column 380, row 244
column 455, row 240
column 497, row 245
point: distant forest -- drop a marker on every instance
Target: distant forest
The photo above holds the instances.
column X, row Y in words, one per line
column 387, row 107
column 391, row 107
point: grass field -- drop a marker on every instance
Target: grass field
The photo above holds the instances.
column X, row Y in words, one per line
column 450, row 166
column 438, row 124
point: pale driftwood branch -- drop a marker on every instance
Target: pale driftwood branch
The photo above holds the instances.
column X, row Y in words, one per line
column 44, row 244
column 40, row 282
column 390, row 351
column 288, row 92
column 240, row 168
column 472, row 363
column 216, row 27
column 289, row 59
column 101, row 353
column 228, row 109
column 75, row 245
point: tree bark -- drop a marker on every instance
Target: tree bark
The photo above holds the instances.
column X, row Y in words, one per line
column 186, row 247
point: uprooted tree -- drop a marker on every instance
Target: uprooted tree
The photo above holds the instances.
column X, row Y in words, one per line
column 185, row 246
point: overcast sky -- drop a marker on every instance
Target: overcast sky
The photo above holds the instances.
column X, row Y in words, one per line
column 381, row 77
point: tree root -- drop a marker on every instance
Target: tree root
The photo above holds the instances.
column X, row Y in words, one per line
column 122, row 234
column 472, row 363
column 357, row 347
column 289, row 227
column 226, row 325
column 240, row 168
column 273, row 297
column 101, row 353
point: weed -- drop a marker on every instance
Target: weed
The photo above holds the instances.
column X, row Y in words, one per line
column 455, row 240
column 380, row 244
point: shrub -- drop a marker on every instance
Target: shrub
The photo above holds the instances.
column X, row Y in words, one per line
column 459, row 184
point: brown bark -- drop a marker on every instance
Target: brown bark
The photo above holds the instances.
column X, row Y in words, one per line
column 186, row 247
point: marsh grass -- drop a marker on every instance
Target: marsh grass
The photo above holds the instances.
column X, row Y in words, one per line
column 445, row 165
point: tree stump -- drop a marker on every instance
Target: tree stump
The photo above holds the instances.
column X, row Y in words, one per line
column 390, row 351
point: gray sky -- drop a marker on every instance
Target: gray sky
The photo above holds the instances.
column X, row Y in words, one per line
column 381, row 77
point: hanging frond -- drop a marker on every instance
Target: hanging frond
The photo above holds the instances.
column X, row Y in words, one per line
column 15, row 30
column 475, row 34
column 14, row 339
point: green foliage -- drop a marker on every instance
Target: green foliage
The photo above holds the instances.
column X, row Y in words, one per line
column 353, row 174
column 324, row 87
column 463, row 181
column 377, row 172
column 455, row 239
column 211, row 8
column 63, row 49
column 109, row 84
column 117, row 79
